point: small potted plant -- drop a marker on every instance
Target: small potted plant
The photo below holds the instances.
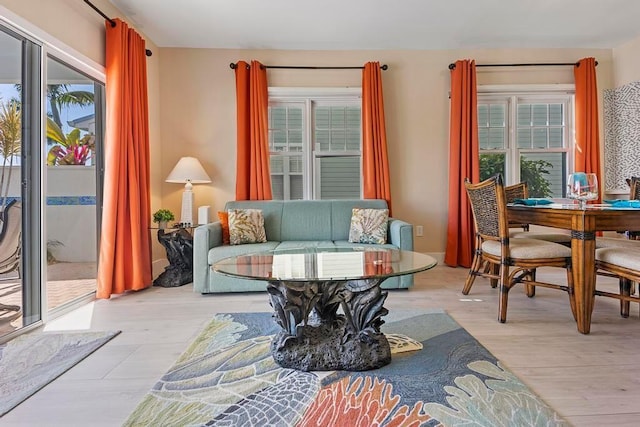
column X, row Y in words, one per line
column 162, row 217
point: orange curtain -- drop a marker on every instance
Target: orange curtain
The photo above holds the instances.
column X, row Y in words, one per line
column 463, row 163
column 375, row 162
column 125, row 254
column 587, row 152
column 253, row 179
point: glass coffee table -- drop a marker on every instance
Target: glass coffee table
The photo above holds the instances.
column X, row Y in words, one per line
column 328, row 303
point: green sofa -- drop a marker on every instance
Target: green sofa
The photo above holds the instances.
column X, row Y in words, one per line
column 290, row 225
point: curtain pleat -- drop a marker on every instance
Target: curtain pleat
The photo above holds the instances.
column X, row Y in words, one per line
column 253, row 179
column 125, row 247
column 375, row 161
column 463, row 163
column 587, row 149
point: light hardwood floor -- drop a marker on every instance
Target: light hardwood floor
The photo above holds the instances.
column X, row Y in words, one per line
column 590, row 379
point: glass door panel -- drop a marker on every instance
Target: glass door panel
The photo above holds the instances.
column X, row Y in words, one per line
column 71, row 192
column 16, row 309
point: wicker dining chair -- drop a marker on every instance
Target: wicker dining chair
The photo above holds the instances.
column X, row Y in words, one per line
column 633, row 237
column 634, row 194
column 515, row 259
column 521, row 191
column 631, row 180
column 618, row 246
column 622, row 262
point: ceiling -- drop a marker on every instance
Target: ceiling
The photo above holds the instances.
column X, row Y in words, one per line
column 385, row 24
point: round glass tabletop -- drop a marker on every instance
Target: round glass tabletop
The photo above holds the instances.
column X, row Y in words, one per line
column 310, row 264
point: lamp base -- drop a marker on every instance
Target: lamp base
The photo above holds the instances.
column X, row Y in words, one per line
column 186, row 215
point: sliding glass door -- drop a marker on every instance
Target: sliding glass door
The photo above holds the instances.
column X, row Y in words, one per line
column 51, row 128
column 20, row 296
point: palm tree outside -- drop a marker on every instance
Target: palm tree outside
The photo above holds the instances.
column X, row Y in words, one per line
column 60, row 96
column 10, row 144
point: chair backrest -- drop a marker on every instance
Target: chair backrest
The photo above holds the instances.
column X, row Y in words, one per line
column 489, row 207
column 10, row 236
column 516, row 191
column 513, row 192
column 634, row 187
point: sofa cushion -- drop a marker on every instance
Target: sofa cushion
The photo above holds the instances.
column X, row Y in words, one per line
column 369, row 226
column 306, row 220
column 246, row 226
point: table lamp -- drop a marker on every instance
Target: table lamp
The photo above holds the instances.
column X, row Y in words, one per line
column 189, row 171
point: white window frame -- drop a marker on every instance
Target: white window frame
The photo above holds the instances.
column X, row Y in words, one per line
column 310, row 157
column 513, row 95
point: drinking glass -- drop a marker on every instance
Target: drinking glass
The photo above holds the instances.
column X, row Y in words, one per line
column 583, row 187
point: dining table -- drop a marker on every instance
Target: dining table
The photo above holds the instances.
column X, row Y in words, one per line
column 584, row 224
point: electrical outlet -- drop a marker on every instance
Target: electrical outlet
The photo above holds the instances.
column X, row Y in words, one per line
column 419, row 230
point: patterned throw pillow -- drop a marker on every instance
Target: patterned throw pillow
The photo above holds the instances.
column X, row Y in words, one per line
column 246, row 226
column 369, row 226
column 223, row 217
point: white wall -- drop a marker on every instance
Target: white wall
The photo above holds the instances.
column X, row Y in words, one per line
column 626, row 60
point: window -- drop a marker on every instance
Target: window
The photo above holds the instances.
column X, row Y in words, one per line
column 315, row 144
column 527, row 137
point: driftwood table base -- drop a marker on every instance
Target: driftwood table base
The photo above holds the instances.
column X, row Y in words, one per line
column 315, row 337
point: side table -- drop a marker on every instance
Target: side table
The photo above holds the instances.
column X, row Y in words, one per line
column 178, row 243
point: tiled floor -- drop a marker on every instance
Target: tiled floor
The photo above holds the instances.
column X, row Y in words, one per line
column 590, row 379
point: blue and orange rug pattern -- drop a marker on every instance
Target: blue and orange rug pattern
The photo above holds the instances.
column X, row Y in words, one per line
column 228, row 378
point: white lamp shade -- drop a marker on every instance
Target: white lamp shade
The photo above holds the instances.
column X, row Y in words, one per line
column 188, row 169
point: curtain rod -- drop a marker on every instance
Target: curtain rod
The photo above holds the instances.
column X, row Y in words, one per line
column 452, row 66
column 304, row 67
column 111, row 21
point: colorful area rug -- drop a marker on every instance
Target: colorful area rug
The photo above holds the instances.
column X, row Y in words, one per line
column 227, row 378
column 31, row 361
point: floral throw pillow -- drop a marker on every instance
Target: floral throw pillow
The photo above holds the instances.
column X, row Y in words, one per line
column 369, row 226
column 246, row 226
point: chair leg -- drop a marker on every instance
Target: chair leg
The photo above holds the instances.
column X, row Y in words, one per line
column 494, row 269
column 572, row 296
column 625, row 289
column 505, row 286
column 530, row 290
column 476, row 265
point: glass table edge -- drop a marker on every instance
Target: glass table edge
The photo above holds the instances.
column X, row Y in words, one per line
column 432, row 262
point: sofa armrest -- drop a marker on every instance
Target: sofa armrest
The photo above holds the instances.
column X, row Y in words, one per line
column 401, row 234
column 205, row 237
